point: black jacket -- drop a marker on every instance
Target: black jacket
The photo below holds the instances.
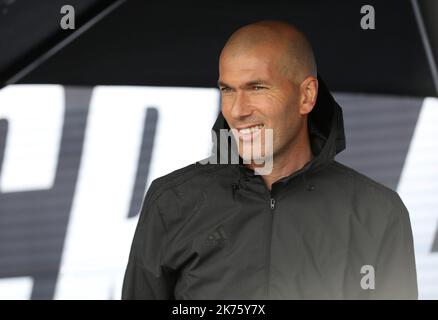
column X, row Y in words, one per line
column 215, row 231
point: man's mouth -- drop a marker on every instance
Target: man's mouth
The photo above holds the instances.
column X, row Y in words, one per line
column 249, row 132
column 250, row 129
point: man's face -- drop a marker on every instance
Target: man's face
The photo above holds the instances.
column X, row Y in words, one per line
column 256, row 93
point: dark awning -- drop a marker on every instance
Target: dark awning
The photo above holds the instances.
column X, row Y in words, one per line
column 177, row 43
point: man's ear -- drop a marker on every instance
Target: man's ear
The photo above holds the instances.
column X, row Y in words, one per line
column 308, row 93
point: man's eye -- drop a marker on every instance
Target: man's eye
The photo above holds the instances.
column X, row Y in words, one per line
column 225, row 89
column 257, row 88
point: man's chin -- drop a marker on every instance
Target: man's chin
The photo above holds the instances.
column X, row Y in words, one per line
column 254, row 160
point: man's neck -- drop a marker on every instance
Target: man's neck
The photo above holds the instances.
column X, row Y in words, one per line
column 288, row 162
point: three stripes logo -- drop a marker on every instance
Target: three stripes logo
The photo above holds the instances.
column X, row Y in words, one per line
column 217, row 238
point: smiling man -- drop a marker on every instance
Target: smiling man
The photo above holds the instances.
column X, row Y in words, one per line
column 310, row 228
column 268, row 81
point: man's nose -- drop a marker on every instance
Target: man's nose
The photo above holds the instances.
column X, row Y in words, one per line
column 241, row 106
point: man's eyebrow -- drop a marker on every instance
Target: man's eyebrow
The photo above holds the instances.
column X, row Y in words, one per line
column 256, row 82
column 247, row 84
column 222, row 84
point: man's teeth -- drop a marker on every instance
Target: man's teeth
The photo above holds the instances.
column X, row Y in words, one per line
column 251, row 129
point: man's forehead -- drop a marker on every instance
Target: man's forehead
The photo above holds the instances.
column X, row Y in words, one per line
column 250, row 61
column 242, row 76
column 246, row 61
column 247, row 67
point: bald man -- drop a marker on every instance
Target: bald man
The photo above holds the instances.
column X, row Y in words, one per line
column 308, row 228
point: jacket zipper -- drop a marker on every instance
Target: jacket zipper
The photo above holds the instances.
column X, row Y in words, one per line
column 269, row 240
column 272, row 203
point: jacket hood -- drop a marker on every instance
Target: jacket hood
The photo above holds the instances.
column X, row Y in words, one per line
column 325, row 125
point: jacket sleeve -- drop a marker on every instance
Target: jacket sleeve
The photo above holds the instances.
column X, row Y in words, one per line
column 395, row 271
column 146, row 277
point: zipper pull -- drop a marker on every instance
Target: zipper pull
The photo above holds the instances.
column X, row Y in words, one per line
column 272, row 203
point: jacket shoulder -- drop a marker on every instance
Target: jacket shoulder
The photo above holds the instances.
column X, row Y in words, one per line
column 367, row 189
column 188, row 174
column 361, row 179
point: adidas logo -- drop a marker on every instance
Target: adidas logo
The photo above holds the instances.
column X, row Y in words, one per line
column 217, row 238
